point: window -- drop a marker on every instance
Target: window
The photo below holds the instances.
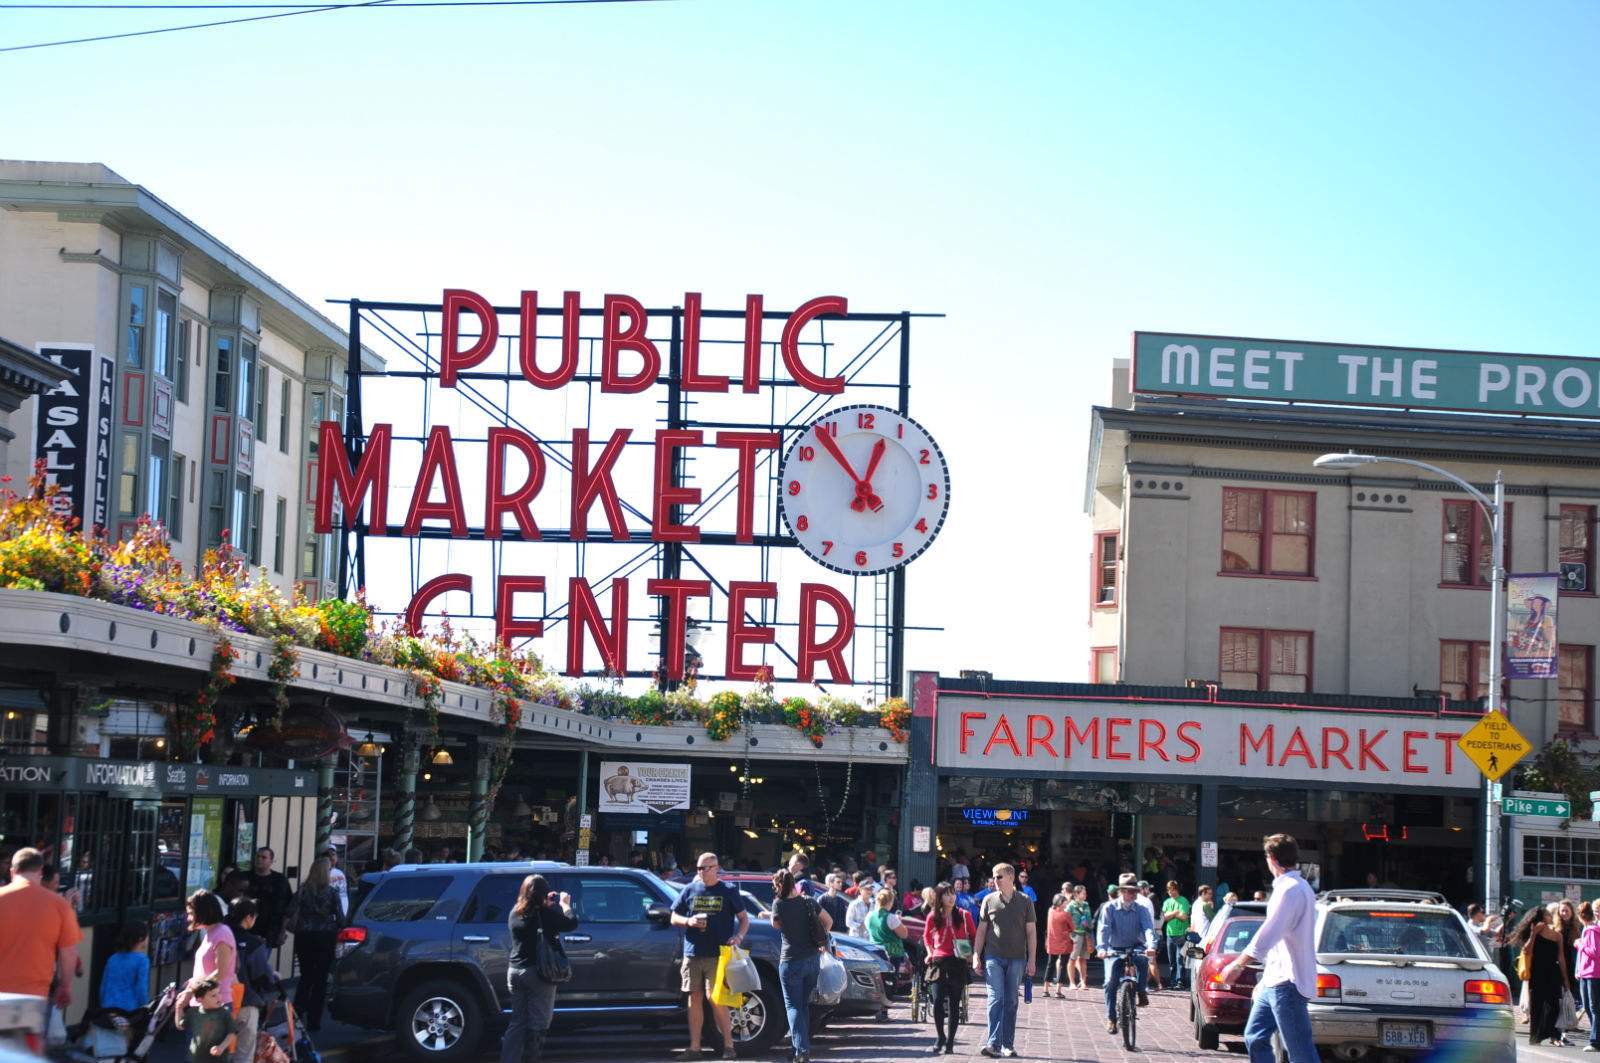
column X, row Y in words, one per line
column 239, row 514
column 1577, row 548
column 175, row 500
column 1103, row 664
column 156, row 488
column 257, row 501
column 1575, row 687
column 1268, row 533
column 1105, row 568
column 187, row 330
column 492, row 901
column 128, row 480
column 283, row 416
column 1468, row 547
column 219, row 397
column 319, row 413
column 1464, row 669
column 247, row 379
column 1430, row 934
column 261, row 403
column 217, row 503
column 161, row 350
column 1252, row 659
column 1560, row 856
column 608, row 898
column 404, row 898
column 280, row 526
column 133, row 343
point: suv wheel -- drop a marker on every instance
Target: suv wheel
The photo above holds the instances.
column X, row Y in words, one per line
column 759, row 1021
column 439, row 1022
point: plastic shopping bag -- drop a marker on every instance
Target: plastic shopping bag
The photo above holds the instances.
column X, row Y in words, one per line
column 741, row 973
column 720, row 993
column 832, row 980
column 1569, row 1012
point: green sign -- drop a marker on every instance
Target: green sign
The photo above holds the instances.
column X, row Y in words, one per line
column 1355, row 375
column 1532, row 806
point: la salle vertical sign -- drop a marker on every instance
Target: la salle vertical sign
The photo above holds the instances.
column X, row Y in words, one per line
column 72, row 433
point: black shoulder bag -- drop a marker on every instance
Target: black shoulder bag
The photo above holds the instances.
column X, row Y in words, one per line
column 550, row 962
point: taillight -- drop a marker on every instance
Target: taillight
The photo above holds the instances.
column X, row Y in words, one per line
column 35, row 1043
column 1329, row 987
column 1485, row 991
column 350, row 938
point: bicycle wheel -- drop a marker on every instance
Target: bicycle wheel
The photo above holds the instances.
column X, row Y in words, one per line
column 1128, row 1015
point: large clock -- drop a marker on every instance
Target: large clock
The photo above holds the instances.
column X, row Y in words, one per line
column 864, row 489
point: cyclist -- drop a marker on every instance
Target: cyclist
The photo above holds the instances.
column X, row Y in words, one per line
column 1124, row 924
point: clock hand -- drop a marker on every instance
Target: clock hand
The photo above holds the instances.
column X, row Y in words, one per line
column 838, row 455
column 873, row 501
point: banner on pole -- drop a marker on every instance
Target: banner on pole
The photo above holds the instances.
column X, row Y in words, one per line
column 1531, row 625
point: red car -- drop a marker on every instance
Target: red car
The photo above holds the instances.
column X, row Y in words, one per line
column 1216, row 1009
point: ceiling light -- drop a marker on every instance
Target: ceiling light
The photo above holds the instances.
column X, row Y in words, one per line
column 368, row 748
column 430, row 811
column 427, row 776
column 442, row 757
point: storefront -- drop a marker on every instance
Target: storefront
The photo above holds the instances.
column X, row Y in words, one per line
column 1176, row 785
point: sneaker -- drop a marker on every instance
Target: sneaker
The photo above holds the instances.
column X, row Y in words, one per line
column 989, row 1052
column 1111, row 1026
column 1008, row 1053
column 1591, row 1048
column 1144, row 1000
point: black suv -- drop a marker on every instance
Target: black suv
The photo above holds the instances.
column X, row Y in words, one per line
column 425, row 956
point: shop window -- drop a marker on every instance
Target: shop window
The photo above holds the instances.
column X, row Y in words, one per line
column 1253, row 659
column 172, row 841
column 492, row 900
column 1105, row 568
column 1575, row 686
column 1268, row 533
column 1103, row 665
column 1577, row 549
column 405, row 899
column 1560, row 857
column 1464, row 669
column 1467, row 550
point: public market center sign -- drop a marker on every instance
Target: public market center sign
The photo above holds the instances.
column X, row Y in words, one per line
column 1338, row 374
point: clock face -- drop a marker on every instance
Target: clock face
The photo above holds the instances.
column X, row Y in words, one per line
column 864, row 489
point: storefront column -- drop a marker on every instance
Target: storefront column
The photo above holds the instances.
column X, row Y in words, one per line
column 919, row 802
column 405, row 806
column 1206, row 831
column 324, row 804
column 478, row 811
column 583, row 784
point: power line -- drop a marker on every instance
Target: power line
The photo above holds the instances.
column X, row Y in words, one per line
column 59, row 7
column 299, row 9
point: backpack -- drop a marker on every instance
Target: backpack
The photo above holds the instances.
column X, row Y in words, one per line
column 550, row 962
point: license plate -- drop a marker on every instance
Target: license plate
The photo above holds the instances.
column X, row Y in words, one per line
column 1406, row 1035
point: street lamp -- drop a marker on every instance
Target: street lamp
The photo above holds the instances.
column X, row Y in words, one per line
column 1494, row 509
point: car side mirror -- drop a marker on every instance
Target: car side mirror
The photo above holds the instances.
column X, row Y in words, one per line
column 1195, row 952
column 659, row 914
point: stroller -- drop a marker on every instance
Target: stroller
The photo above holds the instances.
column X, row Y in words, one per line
column 160, row 1017
column 286, row 1042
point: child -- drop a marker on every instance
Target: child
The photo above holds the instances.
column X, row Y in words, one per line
column 1058, row 945
column 125, row 982
column 213, row 1033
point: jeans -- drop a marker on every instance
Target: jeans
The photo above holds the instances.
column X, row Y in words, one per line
column 1113, row 974
column 798, row 976
column 533, row 1001
column 1590, row 988
column 1279, row 1008
column 1180, row 973
column 1003, row 976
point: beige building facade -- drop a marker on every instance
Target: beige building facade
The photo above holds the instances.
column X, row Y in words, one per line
column 200, row 378
column 1221, row 555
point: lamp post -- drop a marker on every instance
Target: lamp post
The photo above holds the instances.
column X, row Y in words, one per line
column 1494, row 509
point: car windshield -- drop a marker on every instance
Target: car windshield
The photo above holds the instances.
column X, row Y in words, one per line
column 760, row 889
column 1391, row 932
column 1237, row 934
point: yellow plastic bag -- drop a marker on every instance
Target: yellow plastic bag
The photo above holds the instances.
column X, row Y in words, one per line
column 720, row 993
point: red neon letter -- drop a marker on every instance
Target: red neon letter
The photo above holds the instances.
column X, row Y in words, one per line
column 1002, row 733
column 747, row 443
column 1449, row 741
column 515, row 502
column 452, row 361
column 741, row 633
column 1408, row 756
column 1368, row 752
column 1155, row 744
column 1112, row 738
column 589, row 484
column 752, row 344
column 1037, row 739
column 1250, row 741
column 530, row 335
column 438, row 459
column 1328, row 752
column 583, row 613
column 831, row 650
column 822, row 304
column 1091, row 735
column 372, row 473
column 506, row 624
column 690, row 377
column 677, row 592
column 1188, row 740
column 1297, row 747
column 616, row 339
column 966, row 731
column 450, row 581
column 665, row 528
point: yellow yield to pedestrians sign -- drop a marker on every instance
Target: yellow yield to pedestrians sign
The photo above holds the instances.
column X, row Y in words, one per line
column 1494, row 745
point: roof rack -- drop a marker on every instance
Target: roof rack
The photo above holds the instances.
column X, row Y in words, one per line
column 1381, row 895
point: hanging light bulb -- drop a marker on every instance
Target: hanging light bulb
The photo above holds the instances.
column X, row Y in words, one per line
column 368, row 748
column 522, row 809
column 442, row 758
column 430, row 811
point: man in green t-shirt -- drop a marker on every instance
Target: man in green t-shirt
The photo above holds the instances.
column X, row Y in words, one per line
column 1174, row 923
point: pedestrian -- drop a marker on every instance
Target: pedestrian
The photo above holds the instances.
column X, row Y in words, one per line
column 232, row 887
column 959, row 869
column 1124, row 924
column 270, row 890
column 711, row 914
column 1288, row 980
column 39, row 933
column 1174, row 925
column 1023, row 887
column 1544, row 954
column 1202, row 912
column 888, row 931
column 125, row 982
column 336, row 879
column 255, row 976
column 1486, row 927
column 1005, row 950
column 1059, row 929
column 314, row 917
column 948, row 933
column 217, row 957
column 1148, row 903
column 889, row 880
column 538, row 911
column 1589, row 976
column 834, row 902
column 805, row 927
column 964, row 898
column 200, row 1007
column 1082, row 929
column 855, row 916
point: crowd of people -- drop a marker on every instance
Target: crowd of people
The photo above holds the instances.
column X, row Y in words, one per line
column 1553, row 950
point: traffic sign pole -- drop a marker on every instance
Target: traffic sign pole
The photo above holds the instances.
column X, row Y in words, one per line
column 1497, row 643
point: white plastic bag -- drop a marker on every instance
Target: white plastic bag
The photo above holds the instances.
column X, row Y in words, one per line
column 832, row 980
column 741, row 975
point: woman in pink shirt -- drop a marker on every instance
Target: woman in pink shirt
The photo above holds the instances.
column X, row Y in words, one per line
column 1589, row 974
column 947, row 933
column 215, row 956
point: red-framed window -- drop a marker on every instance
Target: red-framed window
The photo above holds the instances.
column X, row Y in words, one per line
column 1103, row 664
column 1464, row 669
column 1577, row 547
column 1268, row 533
column 1258, row 659
column 1104, row 575
column 1575, row 687
column 1467, row 546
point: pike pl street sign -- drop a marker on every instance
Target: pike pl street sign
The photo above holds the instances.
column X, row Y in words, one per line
column 1536, row 806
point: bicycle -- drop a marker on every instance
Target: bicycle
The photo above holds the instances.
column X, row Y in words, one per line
column 1127, row 992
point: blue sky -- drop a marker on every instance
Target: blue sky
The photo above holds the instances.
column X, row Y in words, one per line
column 1052, row 176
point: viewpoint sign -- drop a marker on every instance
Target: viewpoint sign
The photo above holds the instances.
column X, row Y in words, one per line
column 1348, row 374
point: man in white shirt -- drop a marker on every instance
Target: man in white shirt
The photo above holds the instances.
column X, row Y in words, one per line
column 1288, row 979
column 336, row 879
column 855, row 916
